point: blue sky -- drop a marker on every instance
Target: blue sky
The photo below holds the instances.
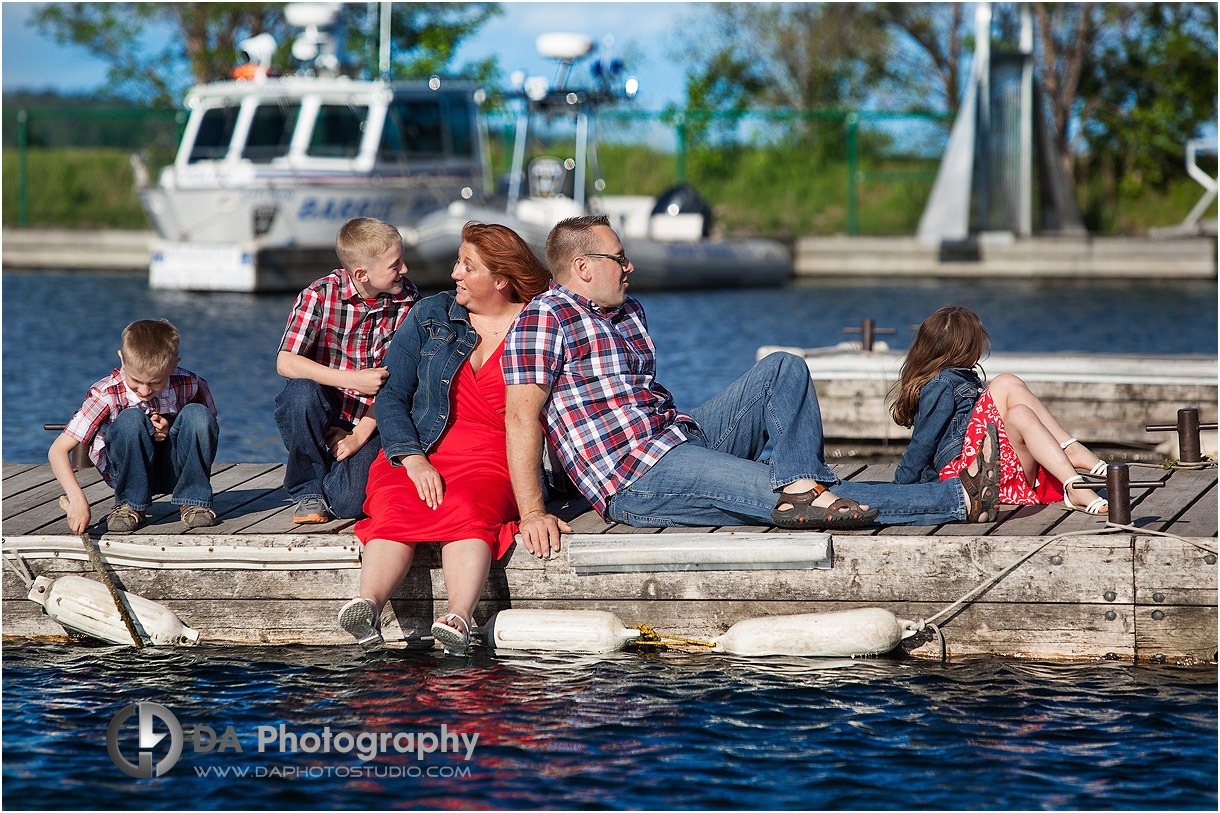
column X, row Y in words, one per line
column 32, row 61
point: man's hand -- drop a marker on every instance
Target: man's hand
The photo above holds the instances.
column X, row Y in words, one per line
column 540, row 533
column 160, row 427
column 428, row 481
column 368, row 381
column 343, row 443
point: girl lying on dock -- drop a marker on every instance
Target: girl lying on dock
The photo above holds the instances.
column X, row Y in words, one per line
column 942, row 398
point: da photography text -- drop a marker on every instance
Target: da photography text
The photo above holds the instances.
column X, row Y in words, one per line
column 134, row 730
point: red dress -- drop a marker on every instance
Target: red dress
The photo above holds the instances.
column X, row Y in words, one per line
column 1014, row 488
column 478, row 500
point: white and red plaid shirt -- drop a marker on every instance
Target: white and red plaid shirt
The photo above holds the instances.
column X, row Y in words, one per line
column 110, row 396
column 333, row 325
column 607, row 416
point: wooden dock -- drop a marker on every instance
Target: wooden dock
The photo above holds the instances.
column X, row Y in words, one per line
column 257, row 578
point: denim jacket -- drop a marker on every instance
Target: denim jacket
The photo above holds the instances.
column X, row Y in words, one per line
column 431, row 345
column 946, row 403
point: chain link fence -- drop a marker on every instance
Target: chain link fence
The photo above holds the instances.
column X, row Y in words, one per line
column 778, row 173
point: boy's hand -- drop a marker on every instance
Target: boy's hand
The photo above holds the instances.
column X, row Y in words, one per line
column 369, row 381
column 343, row 443
column 160, row 426
column 79, row 515
column 427, row 479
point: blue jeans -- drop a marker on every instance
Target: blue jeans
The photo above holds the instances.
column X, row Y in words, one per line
column 139, row 466
column 716, row 478
column 304, row 410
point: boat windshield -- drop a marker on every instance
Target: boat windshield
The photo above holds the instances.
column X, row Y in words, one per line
column 420, row 128
column 337, row 131
column 270, row 132
column 215, row 132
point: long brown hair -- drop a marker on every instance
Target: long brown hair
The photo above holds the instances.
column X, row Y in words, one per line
column 508, row 256
column 952, row 337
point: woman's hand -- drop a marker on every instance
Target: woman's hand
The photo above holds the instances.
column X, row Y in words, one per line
column 427, row 479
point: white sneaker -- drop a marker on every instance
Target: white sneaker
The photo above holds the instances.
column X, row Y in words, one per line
column 360, row 617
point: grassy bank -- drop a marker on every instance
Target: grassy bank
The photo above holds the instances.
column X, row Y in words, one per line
column 775, row 190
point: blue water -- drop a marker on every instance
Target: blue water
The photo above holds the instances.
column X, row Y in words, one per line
column 668, row 731
column 61, row 332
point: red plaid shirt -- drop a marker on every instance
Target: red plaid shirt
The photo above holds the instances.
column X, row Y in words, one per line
column 110, row 396
column 333, row 325
column 607, row 416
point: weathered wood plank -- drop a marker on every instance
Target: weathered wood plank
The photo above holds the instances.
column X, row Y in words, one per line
column 901, row 569
column 8, row 470
column 162, row 516
column 49, row 515
column 1026, row 630
column 1169, row 571
column 48, row 492
column 1180, row 634
column 30, row 478
column 1162, row 506
column 258, row 497
column 1200, row 518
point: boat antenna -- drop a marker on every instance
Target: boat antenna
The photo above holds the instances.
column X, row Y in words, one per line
column 383, row 50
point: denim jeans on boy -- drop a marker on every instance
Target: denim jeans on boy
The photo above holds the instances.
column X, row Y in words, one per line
column 715, row 479
column 181, row 465
column 304, row 410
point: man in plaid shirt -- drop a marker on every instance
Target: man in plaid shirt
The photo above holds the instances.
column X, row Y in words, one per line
column 150, row 426
column 331, row 354
column 579, row 356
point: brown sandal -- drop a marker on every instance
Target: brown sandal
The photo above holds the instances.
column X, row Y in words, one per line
column 843, row 514
column 983, row 487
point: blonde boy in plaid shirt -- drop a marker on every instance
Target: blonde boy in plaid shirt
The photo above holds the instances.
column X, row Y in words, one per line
column 332, row 354
column 150, row 426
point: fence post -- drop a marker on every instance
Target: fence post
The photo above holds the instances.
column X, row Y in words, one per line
column 680, row 168
column 853, row 201
column 23, row 144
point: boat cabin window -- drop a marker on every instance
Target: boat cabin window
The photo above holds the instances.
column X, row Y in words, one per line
column 270, row 132
column 416, row 128
column 337, row 131
column 215, row 132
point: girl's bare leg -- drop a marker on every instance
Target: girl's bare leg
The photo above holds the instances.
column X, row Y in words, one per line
column 1034, row 441
column 465, row 564
column 1008, row 390
column 382, row 567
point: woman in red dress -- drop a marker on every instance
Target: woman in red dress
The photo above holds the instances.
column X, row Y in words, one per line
column 442, row 475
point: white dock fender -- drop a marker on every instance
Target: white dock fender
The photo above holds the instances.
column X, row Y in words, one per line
column 85, row 606
column 592, row 631
column 848, row 633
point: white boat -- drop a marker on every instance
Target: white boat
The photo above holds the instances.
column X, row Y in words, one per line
column 268, row 169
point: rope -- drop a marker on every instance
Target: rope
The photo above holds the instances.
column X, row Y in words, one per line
column 95, row 557
column 1177, row 465
column 650, row 637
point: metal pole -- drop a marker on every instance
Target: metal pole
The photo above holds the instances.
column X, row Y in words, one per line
column 1025, row 195
column 853, row 215
column 1188, row 436
column 514, row 178
column 582, row 156
column 680, row 169
column 23, row 148
column 383, row 52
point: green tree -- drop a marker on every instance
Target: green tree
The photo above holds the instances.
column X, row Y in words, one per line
column 927, row 68
column 202, row 40
column 1149, row 85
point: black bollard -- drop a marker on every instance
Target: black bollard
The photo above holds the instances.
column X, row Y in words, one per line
column 1118, row 493
column 1190, row 449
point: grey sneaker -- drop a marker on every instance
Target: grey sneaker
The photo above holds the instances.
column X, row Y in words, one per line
column 310, row 510
column 124, row 520
column 198, row 516
column 360, row 617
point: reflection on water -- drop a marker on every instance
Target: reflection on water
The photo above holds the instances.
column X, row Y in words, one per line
column 658, row 731
column 705, row 339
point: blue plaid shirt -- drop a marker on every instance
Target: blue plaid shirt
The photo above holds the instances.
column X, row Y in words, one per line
column 607, row 416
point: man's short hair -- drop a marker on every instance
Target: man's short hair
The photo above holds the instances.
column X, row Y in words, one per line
column 362, row 240
column 569, row 239
column 150, row 346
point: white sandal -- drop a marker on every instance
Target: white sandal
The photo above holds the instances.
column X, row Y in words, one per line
column 456, row 641
column 1095, row 507
column 1097, row 471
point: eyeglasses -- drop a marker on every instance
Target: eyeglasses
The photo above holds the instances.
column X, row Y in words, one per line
column 620, row 258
